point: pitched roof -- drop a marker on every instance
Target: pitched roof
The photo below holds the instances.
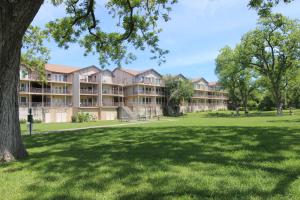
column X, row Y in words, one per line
column 61, row 68
column 199, row 79
column 129, row 71
column 181, row 76
column 148, row 70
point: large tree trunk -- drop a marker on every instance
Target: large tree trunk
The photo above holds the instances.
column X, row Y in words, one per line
column 15, row 17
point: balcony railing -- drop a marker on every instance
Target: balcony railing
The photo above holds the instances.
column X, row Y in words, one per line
column 45, row 104
column 87, row 91
column 88, row 104
column 36, row 90
column 148, row 92
column 23, row 104
column 45, row 90
column 209, row 96
column 57, row 80
column 85, row 80
column 57, row 91
column 112, row 104
column 32, row 77
column 143, row 104
column 149, row 82
column 117, row 92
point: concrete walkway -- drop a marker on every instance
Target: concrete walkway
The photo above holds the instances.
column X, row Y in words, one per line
column 103, row 126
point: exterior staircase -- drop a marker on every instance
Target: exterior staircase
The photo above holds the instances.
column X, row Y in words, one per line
column 126, row 112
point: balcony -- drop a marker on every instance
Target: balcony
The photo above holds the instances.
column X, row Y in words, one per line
column 88, row 104
column 150, row 93
column 200, row 96
column 149, row 82
column 45, row 90
column 89, row 80
column 32, row 77
column 113, row 104
column 88, row 91
column 36, row 90
column 112, row 92
column 23, row 104
column 64, row 80
column 57, row 91
column 143, row 104
column 44, row 104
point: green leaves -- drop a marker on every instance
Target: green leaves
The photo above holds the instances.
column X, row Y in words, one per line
column 264, row 7
column 137, row 25
column 178, row 90
column 34, row 54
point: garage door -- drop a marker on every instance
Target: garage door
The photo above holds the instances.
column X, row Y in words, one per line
column 47, row 118
column 108, row 115
column 61, row 117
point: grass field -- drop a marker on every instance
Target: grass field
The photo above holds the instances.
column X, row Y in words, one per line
column 198, row 156
column 45, row 127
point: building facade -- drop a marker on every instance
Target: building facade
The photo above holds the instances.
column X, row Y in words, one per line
column 104, row 94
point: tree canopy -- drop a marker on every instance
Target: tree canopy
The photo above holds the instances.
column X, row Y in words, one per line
column 236, row 76
column 137, row 22
column 264, row 7
column 274, row 51
column 178, row 91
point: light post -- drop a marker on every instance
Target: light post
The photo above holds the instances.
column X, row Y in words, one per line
column 29, row 120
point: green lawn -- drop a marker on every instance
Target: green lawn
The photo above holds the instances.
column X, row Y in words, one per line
column 198, row 156
column 45, row 127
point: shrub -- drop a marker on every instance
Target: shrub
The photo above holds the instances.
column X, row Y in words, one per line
column 37, row 121
column 83, row 117
column 74, row 119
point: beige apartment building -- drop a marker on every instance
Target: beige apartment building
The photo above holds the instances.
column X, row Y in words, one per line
column 105, row 94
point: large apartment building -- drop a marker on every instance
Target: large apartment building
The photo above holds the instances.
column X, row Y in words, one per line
column 104, row 94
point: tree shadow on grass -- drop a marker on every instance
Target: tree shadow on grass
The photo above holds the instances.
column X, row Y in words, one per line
column 285, row 121
column 243, row 115
column 151, row 163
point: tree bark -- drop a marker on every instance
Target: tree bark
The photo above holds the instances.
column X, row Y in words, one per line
column 15, row 17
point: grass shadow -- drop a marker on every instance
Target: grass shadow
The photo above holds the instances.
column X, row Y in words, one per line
column 160, row 162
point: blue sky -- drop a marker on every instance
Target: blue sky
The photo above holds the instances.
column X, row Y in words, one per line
column 196, row 32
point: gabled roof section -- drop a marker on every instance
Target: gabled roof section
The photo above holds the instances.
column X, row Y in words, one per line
column 149, row 70
column 199, row 79
column 90, row 67
column 61, row 68
column 181, row 76
column 128, row 71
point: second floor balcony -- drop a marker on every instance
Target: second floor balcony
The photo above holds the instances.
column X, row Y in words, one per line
column 88, row 104
column 88, row 91
column 45, row 90
column 112, row 91
column 112, row 104
column 44, row 104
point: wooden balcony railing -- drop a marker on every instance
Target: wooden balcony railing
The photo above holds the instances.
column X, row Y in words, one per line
column 113, row 104
column 44, row 104
column 112, row 92
column 84, row 80
column 86, row 91
column 88, row 104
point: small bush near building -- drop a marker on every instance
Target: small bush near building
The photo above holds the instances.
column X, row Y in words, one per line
column 37, row 121
column 82, row 117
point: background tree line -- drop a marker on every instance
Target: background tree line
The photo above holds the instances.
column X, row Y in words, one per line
column 263, row 70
